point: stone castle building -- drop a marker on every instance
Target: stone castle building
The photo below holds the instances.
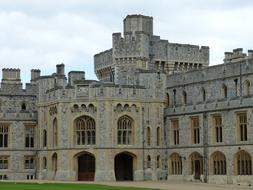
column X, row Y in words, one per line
column 158, row 112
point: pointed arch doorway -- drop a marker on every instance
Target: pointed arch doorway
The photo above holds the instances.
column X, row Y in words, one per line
column 86, row 167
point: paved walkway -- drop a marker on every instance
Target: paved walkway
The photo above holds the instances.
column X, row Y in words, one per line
column 166, row 185
column 177, row 185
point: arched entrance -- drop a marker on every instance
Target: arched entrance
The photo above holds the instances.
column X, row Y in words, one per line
column 196, row 165
column 86, row 167
column 123, row 167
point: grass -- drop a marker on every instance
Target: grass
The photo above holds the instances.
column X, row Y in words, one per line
column 55, row 186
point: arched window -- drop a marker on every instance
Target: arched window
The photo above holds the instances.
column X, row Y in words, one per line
column 85, row 131
column 44, row 163
column 44, row 138
column 218, row 164
column 175, row 164
column 158, row 136
column 158, row 161
column 55, row 133
column 224, row 91
column 184, row 97
column 148, row 136
column 54, row 163
column 148, row 161
column 246, row 86
column 203, row 95
column 125, row 130
column 243, row 163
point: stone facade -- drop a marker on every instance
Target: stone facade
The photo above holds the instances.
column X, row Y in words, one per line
column 157, row 112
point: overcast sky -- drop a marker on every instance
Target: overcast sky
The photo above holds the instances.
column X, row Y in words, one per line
column 42, row 33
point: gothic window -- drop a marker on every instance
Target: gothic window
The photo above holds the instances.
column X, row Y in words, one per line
column 4, row 162
column 175, row 131
column 224, row 91
column 29, row 162
column 55, row 133
column 195, row 130
column 158, row 136
column 44, row 163
column 4, row 133
column 85, row 131
column 242, row 126
column 175, row 167
column 244, row 163
column 158, row 161
column 218, row 161
column 246, row 86
column 29, row 136
column 148, row 161
column 125, row 130
column 217, row 121
column 148, row 136
column 44, row 138
column 184, row 97
column 203, row 94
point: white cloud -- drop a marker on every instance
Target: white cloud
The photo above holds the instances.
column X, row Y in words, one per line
column 43, row 33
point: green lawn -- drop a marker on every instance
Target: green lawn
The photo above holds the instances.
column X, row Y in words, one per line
column 54, row 186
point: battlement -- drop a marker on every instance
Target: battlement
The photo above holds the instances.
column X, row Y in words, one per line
column 138, row 23
column 237, row 55
column 11, row 76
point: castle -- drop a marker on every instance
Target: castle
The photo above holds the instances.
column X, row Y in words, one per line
column 158, row 112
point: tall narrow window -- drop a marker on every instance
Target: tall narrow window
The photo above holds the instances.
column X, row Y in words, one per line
column 148, row 161
column 236, row 87
column 44, row 163
column 224, row 91
column 125, row 130
column 158, row 161
column 203, row 94
column 85, row 131
column 4, row 133
column 148, row 136
column 175, row 131
column 242, row 126
column 184, row 97
column 244, row 163
column 54, row 163
column 29, row 136
column 246, row 86
column 55, row 133
column 167, row 99
column 217, row 120
column 44, row 138
column 174, row 97
column 195, row 130
column 4, row 162
column 175, row 164
column 219, row 163
column 158, row 136
column 29, row 162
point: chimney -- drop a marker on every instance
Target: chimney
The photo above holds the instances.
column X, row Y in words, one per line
column 35, row 73
column 60, row 69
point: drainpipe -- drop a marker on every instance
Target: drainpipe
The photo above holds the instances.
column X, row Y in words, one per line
column 205, row 144
column 143, row 141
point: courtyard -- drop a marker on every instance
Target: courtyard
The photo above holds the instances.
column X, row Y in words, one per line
column 52, row 185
